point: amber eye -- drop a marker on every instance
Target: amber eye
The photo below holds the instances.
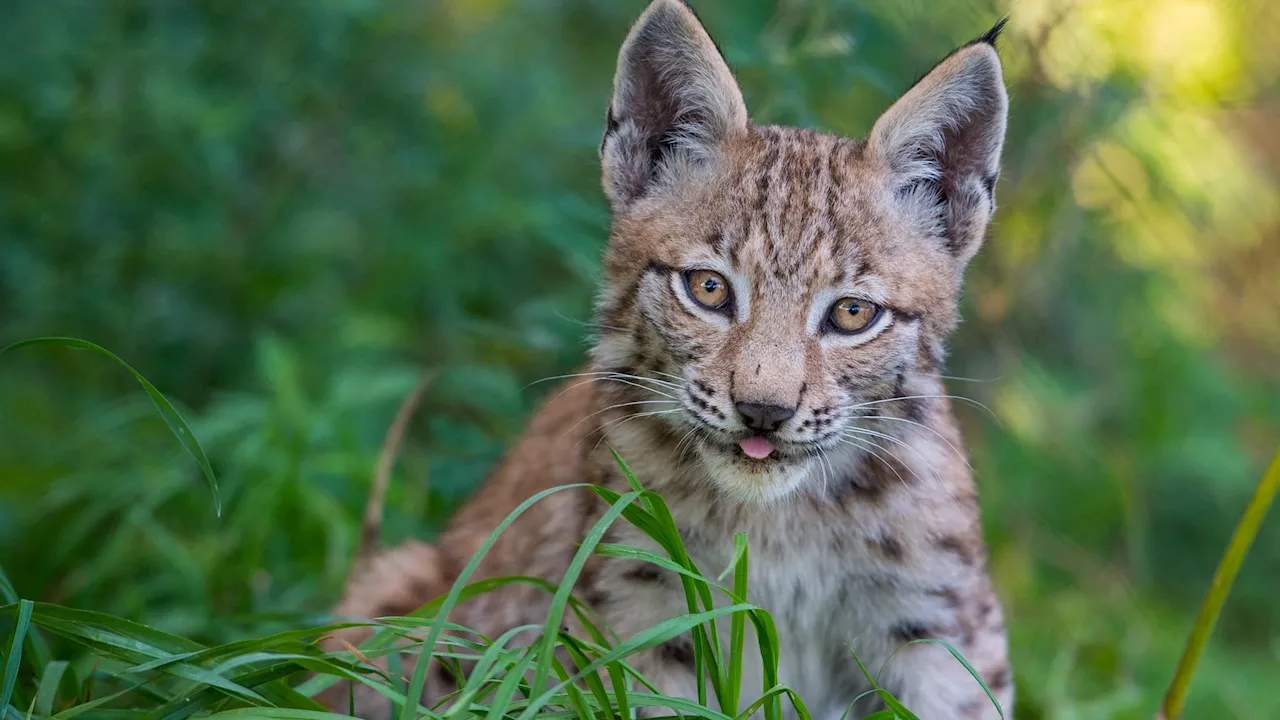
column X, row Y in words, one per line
column 851, row 315
column 708, row 288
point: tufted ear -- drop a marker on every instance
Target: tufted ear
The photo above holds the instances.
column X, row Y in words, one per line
column 940, row 145
column 674, row 102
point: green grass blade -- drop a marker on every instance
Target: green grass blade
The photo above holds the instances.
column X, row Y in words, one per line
column 621, row 689
column 50, row 681
column 91, row 705
column 635, row 553
column 685, row 707
column 773, row 698
column 37, row 648
column 167, row 411
column 419, row 679
column 14, row 660
column 577, row 699
column 1223, row 578
column 278, row 713
column 482, row 674
column 8, row 595
column 550, row 633
column 643, row 640
column 509, row 685
column 737, row 625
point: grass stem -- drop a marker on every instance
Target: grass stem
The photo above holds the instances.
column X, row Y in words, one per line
column 1223, row 578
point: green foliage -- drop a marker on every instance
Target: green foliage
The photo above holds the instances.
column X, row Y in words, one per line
column 281, row 212
column 168, row 676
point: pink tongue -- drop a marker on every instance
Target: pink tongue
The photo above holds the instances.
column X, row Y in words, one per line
column 756, row 447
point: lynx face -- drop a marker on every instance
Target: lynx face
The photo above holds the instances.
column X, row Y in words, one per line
column 783, row 286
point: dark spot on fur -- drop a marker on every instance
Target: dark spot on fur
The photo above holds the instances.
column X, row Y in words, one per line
column 863, row 490
column 1000, row 680
column 907, row 631
column 615, row 316
column 900, row 384
column 678, row 650
column 887, row 547
column 985, row 608
column 654, row 266
column 705, row 388
column 989, row 182
column 596, row 597
column 758, row 368
column 959, row 546
column 913, row 409
column 882, row 471
column 610, row 126
column 950, row 596
column 423, row 589
column 646, row 573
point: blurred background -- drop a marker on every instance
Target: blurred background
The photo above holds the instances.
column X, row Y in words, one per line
column 281, row 213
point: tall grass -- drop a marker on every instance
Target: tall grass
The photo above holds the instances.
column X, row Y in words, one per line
column 146, row 671
column 129, row 669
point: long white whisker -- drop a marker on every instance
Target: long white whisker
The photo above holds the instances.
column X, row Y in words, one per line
column 590, row 323
column 620, row 380
column 823, row 464
column 673, row 377
column 680, row 453
column 971, row 401
column 961, row 379
column 623, row 421
column 604, row 379
column 625, row 404
column 642, row 387
column 813, row 456
column 874, row 433
column 645, row 378
column 926, row 427
column 860, row 445
column 609, row 373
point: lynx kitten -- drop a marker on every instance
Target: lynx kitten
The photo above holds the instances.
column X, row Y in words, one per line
column 774, row 313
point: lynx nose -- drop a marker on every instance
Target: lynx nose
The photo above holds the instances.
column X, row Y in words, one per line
column 759, row 416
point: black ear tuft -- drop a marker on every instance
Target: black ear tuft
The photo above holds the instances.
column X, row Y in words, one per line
column 991, row 36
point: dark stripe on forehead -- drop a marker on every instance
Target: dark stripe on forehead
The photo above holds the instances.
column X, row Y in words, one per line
column 765, row 168
column 718, row 243
column 655, row 267
column 833, row 191
column 773, row 160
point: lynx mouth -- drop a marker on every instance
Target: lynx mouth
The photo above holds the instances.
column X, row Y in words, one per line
column 754, row 450
column 756, row 447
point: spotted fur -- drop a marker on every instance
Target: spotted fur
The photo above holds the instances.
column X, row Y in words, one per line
column 863, row 523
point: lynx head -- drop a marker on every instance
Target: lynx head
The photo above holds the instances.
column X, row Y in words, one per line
column 784, row 284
